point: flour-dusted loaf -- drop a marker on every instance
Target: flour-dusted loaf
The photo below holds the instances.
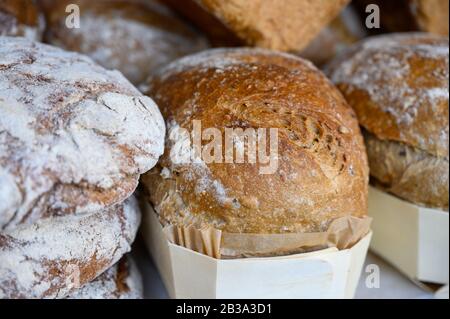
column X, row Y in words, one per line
column 130, row 36
column 73, row 136
column 398, row 86
column 275, row 24
column 321, row 173
column 54, row 256
column 121, row 281
column 21, row 18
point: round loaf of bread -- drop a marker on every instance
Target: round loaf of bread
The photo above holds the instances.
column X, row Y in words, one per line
column 398, row 86
column 319, row 172
column 132, row 37
column 21, row 18
column 54, row 256
column 121, row 281
column 73, row 136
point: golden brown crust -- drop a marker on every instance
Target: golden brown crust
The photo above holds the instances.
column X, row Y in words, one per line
column 322, row 168
column 135, row 37
column 398, row 86
column 282, row 24
column 409, row 173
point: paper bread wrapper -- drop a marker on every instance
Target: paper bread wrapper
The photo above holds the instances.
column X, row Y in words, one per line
column 342, row 233
column 325, row 273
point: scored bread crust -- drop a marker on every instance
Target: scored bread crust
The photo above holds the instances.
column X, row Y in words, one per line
column 53, row 256
column 398, row 86
column 21, row 18
column 132, row 37
column 322, row 166
column 121, row 281
column 73, row 136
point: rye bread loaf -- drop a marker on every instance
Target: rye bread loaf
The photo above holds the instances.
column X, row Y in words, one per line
column 287, row 25
column 73, row 136
column 54, row 256
column 21, row 18
column 322, row 171
column 121, row 281
column 398, row 86
column 130, row 36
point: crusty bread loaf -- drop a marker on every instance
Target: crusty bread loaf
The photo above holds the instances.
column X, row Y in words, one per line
column 121, row 281
column 322, row 168
column 275, row 24
column 54, row 256
column 73, row 136
column 21, row 18
column 408, row 172
column 132, row 37
column 398, row 86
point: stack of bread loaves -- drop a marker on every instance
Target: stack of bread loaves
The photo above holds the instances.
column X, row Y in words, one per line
column 398, row 87
column 74, row 139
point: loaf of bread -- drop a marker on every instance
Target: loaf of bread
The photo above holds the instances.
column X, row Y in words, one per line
column 73, row 136
column 21, row 18
column 287, row 25
column 122, row 281
column 398, row 86
column 321, row 171
column 54, row 256
column 130, row 36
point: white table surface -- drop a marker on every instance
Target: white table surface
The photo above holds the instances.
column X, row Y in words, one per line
column 393, row 284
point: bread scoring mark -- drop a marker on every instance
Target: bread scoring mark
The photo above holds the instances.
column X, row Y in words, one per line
column 323, row 166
